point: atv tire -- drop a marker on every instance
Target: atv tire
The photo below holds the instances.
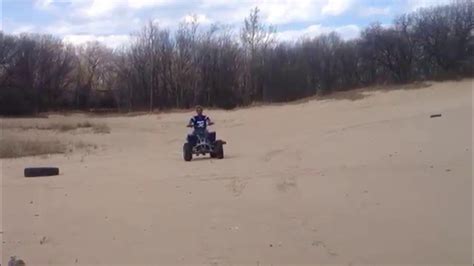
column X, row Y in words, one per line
column 41, row 171
column 219, row 150
column 187, row 152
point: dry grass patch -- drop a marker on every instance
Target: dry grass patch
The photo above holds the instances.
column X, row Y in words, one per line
column 84, row 146
column 15, row 148
column 21, row 148
column 98, row 128
column 64, row 127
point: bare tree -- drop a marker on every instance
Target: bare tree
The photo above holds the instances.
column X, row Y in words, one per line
column 445, row 34
column 256, row 38
column 218, row 66
column 392, row 50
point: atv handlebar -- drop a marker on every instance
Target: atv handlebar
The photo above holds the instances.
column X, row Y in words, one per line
column 210, row 124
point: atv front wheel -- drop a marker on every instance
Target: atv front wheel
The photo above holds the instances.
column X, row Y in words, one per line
column 187, row 152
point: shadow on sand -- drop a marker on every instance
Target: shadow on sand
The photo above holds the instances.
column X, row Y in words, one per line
column 207, row 158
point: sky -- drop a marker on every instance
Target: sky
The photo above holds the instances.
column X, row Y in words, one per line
column 112, row 21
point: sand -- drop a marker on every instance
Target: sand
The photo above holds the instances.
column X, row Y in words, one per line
column 347, row 182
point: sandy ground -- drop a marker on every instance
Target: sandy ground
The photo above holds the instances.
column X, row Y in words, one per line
column 371, row 181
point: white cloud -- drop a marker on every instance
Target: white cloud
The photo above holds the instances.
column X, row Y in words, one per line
column 336, row 7
column 24, row 29
column 346, row 32
column 146, row 3
column 374, row 11
column 107, row 8
column 274, row 11
column 105, row 17
column 200, row 19
column 106, row 26
column 43, row 4
column 349, row 32
column 52, row 4
column 112, row 41
column 292, row 11
column 82, row 19
column 100, row 8
column 416, row 4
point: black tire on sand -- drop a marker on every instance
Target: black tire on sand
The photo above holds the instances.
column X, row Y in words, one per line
column 41, row 171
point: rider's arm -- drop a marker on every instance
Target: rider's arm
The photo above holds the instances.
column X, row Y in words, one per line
column 209, row 122
column 191, row 122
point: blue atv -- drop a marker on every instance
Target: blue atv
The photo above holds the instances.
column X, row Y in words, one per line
column 202, row 142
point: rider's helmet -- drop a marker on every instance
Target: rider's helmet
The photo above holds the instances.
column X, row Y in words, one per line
column 199, row 109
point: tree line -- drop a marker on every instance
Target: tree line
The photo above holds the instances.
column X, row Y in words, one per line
column 223, row 67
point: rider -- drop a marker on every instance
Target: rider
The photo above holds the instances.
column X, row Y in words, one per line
column 199, row 121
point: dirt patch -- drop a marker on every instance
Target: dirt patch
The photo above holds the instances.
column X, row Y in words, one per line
column 237, row 186
column 287, row 184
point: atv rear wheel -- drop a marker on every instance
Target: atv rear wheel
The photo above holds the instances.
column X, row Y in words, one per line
column 219, row 150
column 187, row 152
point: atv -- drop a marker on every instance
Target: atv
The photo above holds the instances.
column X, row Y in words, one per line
column 202, row 142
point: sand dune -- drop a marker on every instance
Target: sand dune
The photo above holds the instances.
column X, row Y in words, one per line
column 370, row 181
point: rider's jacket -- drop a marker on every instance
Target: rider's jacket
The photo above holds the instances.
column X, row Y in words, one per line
column 199, row 121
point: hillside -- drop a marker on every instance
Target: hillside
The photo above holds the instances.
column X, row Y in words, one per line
column 371, row 180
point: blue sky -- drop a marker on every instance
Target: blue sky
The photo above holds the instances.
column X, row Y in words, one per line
column 112, row 21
